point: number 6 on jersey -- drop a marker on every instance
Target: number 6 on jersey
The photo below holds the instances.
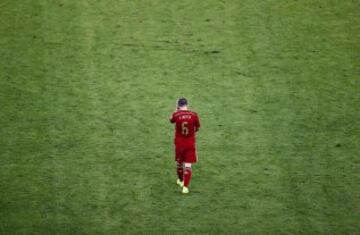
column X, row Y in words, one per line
column 185, row 128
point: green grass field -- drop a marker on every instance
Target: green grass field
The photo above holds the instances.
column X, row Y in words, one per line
column 86, row 89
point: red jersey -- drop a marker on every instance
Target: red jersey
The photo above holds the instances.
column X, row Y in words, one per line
column 186, row 125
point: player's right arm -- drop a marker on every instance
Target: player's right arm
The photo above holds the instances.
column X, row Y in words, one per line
column 172, row 117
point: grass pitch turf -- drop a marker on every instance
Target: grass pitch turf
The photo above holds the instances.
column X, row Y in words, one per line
column 86, row 88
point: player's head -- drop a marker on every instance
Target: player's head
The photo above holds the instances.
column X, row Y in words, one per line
column 182, row 102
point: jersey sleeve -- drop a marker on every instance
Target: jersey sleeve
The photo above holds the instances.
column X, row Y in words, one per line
column 197, row 122
column 172, row 118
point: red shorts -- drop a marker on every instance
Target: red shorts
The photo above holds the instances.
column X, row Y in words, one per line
column 185, row 154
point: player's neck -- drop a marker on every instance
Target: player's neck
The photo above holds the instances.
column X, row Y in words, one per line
column 185, row 108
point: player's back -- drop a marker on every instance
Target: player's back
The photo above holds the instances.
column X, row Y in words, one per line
column 186, row 124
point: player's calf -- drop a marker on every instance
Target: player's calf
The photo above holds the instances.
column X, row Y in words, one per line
column 180, row 172
column 187, row 175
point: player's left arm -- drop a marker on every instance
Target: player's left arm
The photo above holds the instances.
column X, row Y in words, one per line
column 197, row 122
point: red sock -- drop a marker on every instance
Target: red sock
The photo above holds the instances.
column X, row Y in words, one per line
column 180, row 171
column 187, row 176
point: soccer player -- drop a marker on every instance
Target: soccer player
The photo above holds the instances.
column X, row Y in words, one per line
column 186, row 125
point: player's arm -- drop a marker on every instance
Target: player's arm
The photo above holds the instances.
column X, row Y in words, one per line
column 172, row 117
column 197, row 123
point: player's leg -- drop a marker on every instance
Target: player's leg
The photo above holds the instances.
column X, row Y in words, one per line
column 179, row 158
column 180, row 173
column 190, row 157
column 187, row 177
